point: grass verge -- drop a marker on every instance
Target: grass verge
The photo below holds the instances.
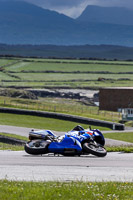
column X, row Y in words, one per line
column 14, row 136
column 127, row 137
column 13, row 190
column 40, row 122
column 10, row 147
column 124, row 149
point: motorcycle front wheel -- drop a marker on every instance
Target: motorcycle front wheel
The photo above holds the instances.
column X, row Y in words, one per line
column 95, row 149
column 36, row 147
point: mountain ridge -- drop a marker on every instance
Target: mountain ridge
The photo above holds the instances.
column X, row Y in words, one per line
column 90, row 52
column 25, row 23
column 112, row 15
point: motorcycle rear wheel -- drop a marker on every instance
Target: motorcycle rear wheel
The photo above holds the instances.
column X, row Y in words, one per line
column 36, row 147
column 95, row 149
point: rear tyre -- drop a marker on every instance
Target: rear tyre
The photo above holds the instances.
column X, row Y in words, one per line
column 36, row 147
column 94, row 149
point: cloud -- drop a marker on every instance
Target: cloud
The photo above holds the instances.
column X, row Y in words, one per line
column 118, row 3
column 74, row 8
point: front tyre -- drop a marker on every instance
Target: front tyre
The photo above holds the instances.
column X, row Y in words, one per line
column 95, row 149
column 36, row 147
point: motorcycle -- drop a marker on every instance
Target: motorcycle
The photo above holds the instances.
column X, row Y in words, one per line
column 78, row 141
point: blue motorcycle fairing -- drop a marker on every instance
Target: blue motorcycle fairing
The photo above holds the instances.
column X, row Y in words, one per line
column 99, row 138
column 81, row 138
column 67, row 143
column 79, row 135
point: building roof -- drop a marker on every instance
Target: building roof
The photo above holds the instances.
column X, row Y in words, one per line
column 120, row 88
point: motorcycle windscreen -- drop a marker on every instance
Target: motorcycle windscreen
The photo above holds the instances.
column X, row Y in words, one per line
column 41, row 133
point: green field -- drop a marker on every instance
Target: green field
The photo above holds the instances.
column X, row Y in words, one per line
column 15, row 190
column 69, row 84
column 40, row 122
column 71, row 67
column 5, row 61
column 65, row 73
column 5, row 76
column 59, row 77
column 127, row 137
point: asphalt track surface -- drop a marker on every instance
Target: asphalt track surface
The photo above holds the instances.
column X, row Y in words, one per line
column 22, row 166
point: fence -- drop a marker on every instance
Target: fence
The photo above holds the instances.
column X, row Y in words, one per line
column 83, row 110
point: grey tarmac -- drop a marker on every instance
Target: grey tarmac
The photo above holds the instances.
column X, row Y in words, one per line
column 20, row 166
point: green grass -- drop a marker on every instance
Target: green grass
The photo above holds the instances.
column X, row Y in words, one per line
column 39, row 122
column 125, row 149
column 68, row 84
column 5, row 61
column 10, row 147
column 13, row 190
column 73, row 80
column 127, row 137
column 69, row 77
column 70, row 66
column 4, row 76
column 14, row 136
column 6, row 146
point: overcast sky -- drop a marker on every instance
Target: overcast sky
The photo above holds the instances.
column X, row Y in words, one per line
column 74, row 8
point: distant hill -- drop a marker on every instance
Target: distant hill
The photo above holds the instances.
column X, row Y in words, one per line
column 69, row 52
column 110, row 15
column 24, row 23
